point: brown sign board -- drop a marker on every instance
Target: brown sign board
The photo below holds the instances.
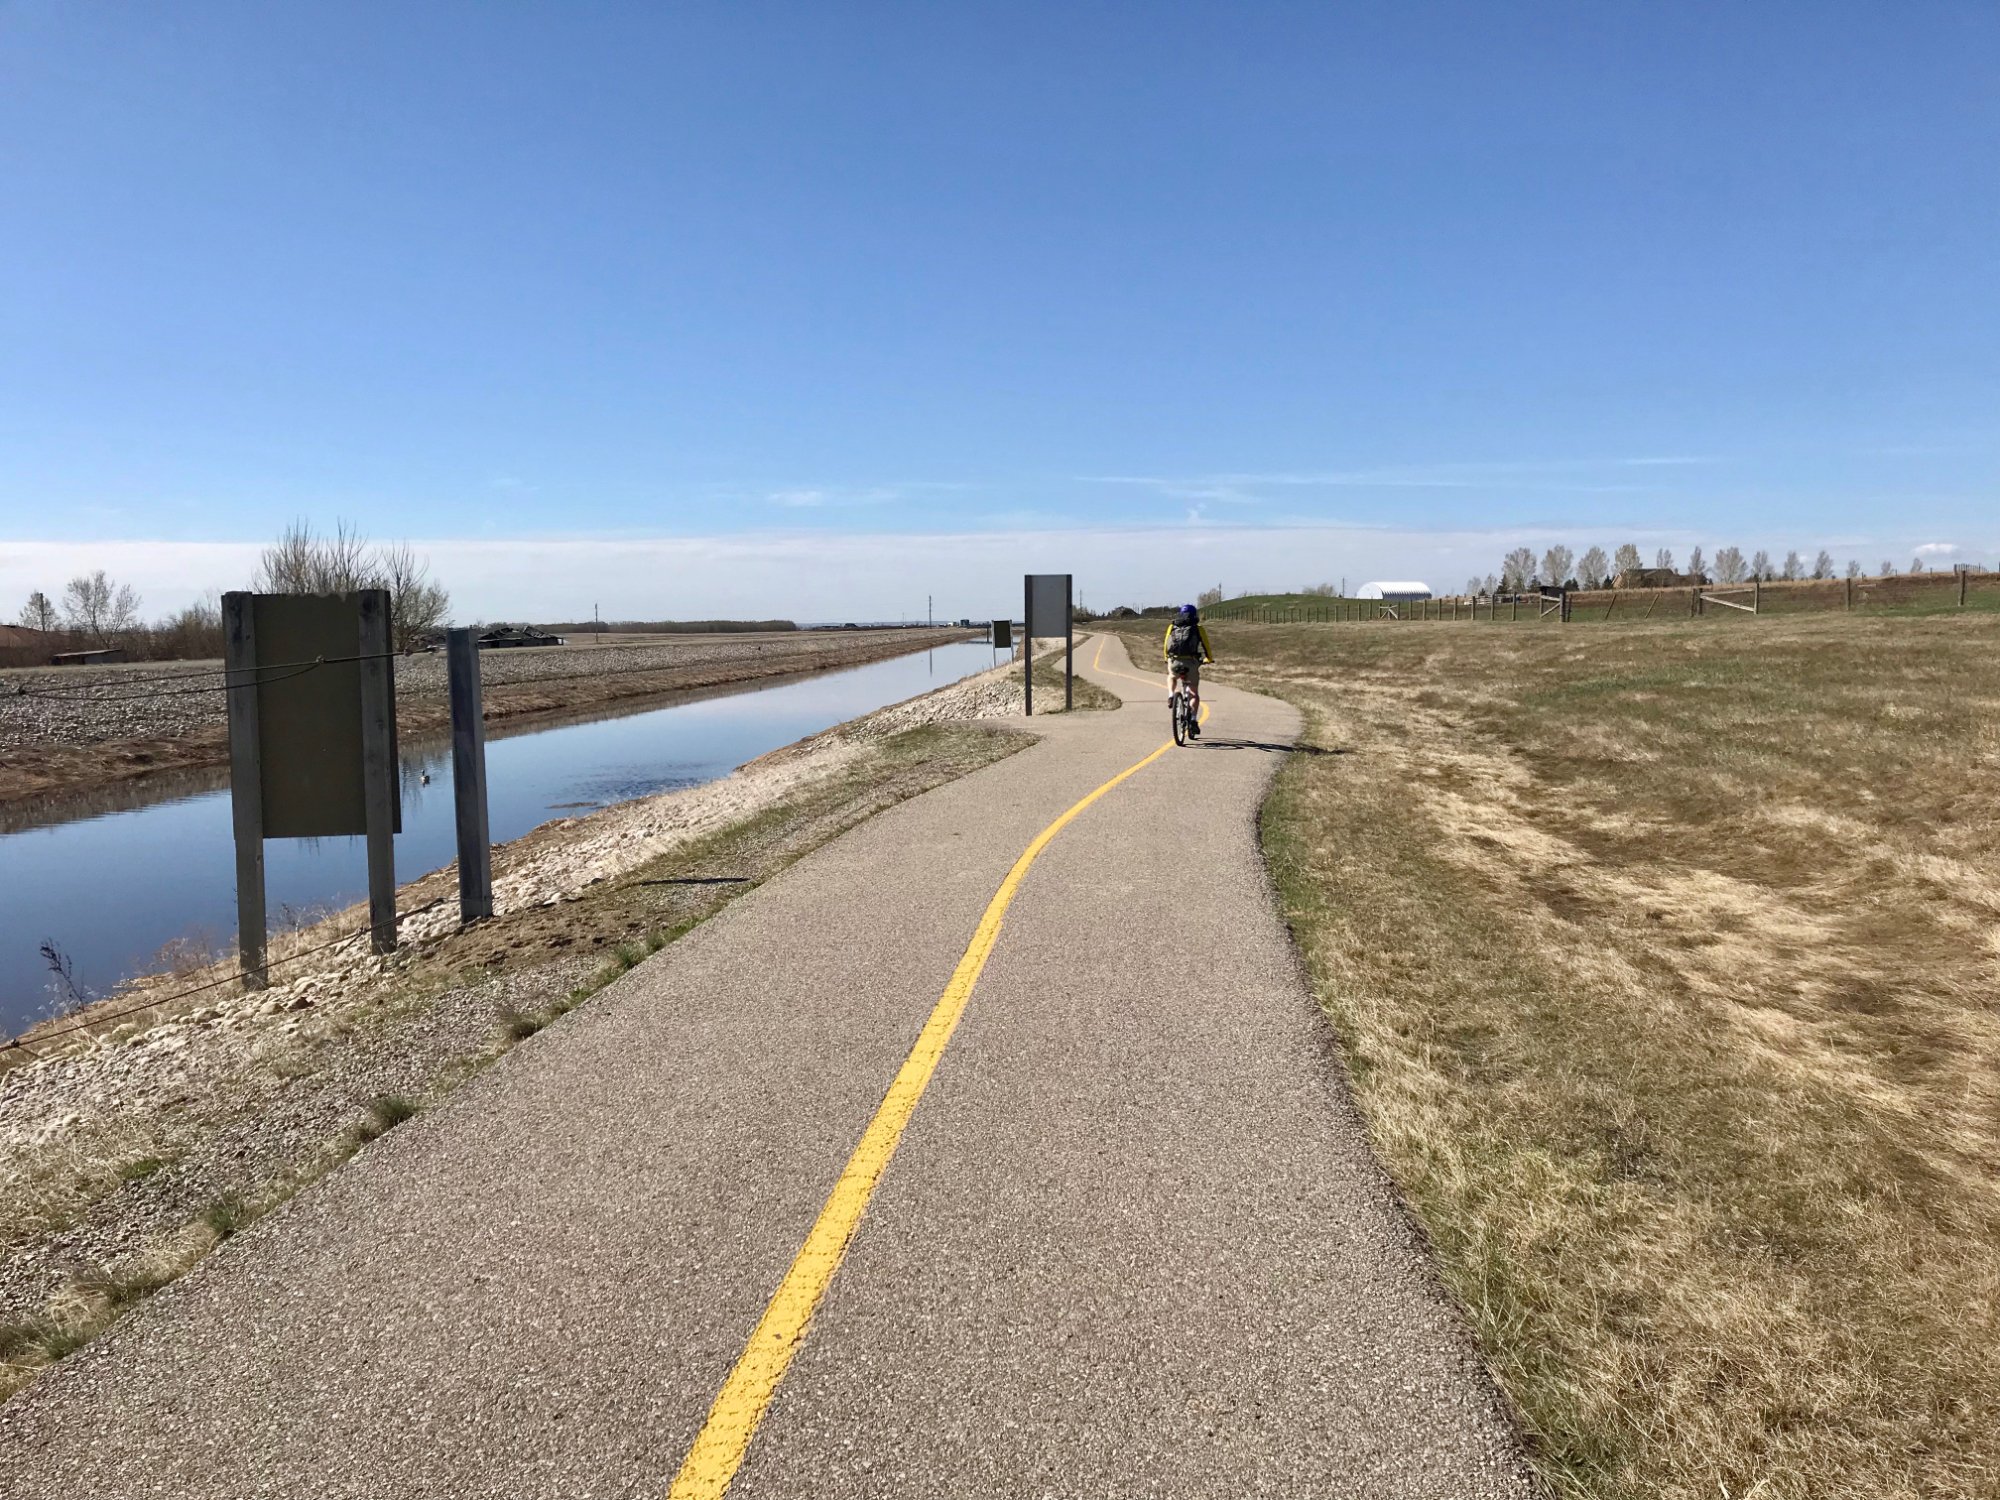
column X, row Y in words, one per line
column 309, row 715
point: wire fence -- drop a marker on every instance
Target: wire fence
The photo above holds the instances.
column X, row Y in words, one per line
column 96, row 1020
column 1912, row 593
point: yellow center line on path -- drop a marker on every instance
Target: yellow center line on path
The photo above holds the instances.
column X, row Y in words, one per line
column 745, row 1396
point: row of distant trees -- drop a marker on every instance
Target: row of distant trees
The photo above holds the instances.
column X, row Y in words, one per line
column 96, row 611
column 1558, row 566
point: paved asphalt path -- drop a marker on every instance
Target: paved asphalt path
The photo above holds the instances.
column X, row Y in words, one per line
column 1132, row 1244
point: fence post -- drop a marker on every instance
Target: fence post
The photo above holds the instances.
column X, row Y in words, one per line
column 1961, row 587
column 468, row 778
column 378, row 766
column 1069, row 652
column 1027, row 648
column 1756, row 595
column 246, row 786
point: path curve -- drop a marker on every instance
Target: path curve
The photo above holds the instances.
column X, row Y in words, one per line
column 1132, row 1243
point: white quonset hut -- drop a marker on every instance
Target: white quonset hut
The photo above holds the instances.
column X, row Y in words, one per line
column 1394, row 589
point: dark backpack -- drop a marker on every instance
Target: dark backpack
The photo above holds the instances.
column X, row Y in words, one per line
column 1185, row 640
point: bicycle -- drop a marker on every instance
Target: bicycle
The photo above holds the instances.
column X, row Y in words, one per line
column 1181, row 706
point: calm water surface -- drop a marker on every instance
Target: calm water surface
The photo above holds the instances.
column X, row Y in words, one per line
column 111, row 888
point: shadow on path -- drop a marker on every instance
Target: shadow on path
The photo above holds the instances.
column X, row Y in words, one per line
column 1206, row 743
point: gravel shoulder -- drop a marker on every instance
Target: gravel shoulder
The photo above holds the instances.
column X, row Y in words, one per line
column 66, row 731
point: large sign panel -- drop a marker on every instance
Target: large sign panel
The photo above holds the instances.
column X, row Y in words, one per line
column 309, row 715
column 1048, row 605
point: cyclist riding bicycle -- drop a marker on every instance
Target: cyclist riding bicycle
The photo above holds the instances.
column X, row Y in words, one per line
column 1186, row 647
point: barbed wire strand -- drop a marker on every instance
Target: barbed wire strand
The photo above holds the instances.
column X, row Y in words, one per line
column 95, row 693
column 26, row 1042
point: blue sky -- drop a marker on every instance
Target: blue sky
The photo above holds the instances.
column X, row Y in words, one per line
column 1299, row 291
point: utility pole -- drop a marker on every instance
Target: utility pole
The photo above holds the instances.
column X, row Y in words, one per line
column 930, row 615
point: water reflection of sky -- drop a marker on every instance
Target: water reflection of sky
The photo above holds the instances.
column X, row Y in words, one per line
column 110, row 889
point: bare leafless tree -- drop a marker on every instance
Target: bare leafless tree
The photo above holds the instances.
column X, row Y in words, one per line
column 1794, row 568
column 303, row 561
column 1517, row 569
column 1823, row 564
column 1697, row 565
column 1853, row 568
column 1729, row 565
column 99, row 609
column 1555, row 564
column 1888, row 569
column 1209, row 596
column 1760, row 565
column 39, row 613
column 418, row 604
column 1593, row 568
column 191, row 633
column 1628, row 560
column 1664, row 560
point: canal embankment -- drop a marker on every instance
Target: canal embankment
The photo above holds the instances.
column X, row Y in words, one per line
column 69, row 730
column 180, row 1109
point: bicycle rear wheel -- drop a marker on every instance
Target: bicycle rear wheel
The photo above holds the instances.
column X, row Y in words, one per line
column 1178, row 704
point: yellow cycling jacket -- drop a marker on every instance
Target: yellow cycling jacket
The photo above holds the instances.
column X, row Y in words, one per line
column 1207, row 652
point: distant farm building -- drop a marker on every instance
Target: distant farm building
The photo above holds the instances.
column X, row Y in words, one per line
column 103, row 657
column 501, row 636
column 20, row 646
column 1394, row 590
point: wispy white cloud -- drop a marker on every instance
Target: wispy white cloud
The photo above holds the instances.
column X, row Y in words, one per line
column 1570, row 476
column 812, row 499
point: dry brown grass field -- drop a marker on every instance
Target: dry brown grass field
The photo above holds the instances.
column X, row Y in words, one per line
column 1667, row 965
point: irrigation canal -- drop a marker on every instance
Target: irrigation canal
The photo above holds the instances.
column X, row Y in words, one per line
column 111, row 880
